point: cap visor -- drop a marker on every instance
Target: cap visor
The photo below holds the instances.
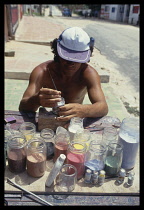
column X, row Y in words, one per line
column 72, row 55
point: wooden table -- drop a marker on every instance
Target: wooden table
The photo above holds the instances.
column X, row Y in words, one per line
column 37, row 185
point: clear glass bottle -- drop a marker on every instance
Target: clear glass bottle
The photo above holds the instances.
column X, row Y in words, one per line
column 76, row 123
column 101, row 177
column 113, row 159
column 95, row 156
column 48, row 136
column 76, row 156
column 130, row 178
column 129, row 139
column 88, row 175
column 94, row 178
column 36, row 157
column 61, row 145
column 121, row 176
column 84, row 136
column 16, row 153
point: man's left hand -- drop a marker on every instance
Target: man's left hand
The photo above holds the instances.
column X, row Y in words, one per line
column 68, row 111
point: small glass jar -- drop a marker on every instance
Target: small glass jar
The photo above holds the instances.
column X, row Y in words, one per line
column 16, row 153
column 60, row 103
column 113, row 159
column 76, row 123
column 48, row 136
column 76, row 157
column 95, row 156
column 36, row 157
column 28, row 129
column 61, row 145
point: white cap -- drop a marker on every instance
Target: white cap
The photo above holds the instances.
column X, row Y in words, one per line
column 74, row 45
column 62, row 157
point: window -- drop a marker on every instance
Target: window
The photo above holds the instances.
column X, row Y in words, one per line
column 106, row 8
column 135, row 9
column 113, row 9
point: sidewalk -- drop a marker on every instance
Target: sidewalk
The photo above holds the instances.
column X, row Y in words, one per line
column 27, row 56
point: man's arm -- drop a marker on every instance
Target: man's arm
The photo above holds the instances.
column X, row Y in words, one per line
column 35, row 95
column 98, row 108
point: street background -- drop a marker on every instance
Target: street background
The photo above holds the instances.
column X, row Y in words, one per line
column 31, row 46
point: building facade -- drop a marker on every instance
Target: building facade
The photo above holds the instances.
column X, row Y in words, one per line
column 13, row 13
column 127, row 13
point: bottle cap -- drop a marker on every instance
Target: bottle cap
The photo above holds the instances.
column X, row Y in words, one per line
column 102, row 172
column 62, row 157
column 89, row 171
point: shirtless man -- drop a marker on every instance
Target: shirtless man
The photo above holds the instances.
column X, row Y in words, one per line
column 73, row 78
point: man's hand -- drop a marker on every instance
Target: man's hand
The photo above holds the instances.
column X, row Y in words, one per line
column 49, row 97
column 70, row 110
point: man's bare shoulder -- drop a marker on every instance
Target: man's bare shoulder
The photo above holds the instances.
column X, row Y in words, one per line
column 88, row 69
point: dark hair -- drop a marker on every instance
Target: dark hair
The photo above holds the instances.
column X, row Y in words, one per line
column 53, row 45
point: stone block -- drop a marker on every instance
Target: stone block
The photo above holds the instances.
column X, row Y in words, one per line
column 46, row 119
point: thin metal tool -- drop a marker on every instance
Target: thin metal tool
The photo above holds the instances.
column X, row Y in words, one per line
column 19, row 187
column 52, row 79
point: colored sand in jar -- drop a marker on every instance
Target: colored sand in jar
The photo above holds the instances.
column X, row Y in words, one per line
column 36, row 164
column 60, row 148
column 112, row 165
column 17, row 160
column 95, row 164
column 77, row 160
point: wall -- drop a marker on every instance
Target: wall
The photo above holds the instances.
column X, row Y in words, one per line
column 134, row 15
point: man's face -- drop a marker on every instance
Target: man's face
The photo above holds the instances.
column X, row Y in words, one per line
column 69, row 67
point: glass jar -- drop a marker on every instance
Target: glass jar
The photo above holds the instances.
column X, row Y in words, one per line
column 113, row 159
column 110, row 135
column 61, row 145
column 83, row 136
column 95, row 156
column 67, row 178
column 129, row 139
column 16, row 153
column 76, row 123
column 48, row 136
column 36, row 157
column 76, row 157
column 28, row 129
column 60, row 103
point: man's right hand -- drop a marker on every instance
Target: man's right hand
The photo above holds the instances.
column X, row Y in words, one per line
column 49, row 97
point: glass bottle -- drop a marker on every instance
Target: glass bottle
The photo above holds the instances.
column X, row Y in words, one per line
column 16, row 153
column 101, row 177
column 121, row 176
column 61, row 145
column 76, row 156
column 36, row 157
column 129, row 139
column 113, row 159
column 76, row 123
column 95, row 156
column 48, row 136
column 130, row 178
